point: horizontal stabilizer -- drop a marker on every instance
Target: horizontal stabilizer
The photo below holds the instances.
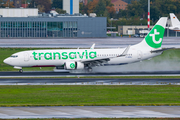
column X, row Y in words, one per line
column 160, row 50
column 174, row 28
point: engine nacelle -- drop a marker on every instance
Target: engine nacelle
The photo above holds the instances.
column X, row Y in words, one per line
column 73, row 65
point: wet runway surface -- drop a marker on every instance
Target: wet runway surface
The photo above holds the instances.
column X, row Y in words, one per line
column 86, row 81
column 83, row 42
column 67, row 74
column 91, row 112
column 6, row 78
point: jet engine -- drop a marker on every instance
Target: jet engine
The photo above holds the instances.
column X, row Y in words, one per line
column 73, row 65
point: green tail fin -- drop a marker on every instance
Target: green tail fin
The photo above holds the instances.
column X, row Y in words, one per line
column 155, row 37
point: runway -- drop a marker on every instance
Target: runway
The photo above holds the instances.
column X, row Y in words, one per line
column 87, row 81
column 7, row 78
column 90, row 112
column 67, row 74
column 82, row 42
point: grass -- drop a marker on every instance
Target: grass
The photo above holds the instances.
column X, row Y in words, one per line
column 171, row 55
column 89, row 95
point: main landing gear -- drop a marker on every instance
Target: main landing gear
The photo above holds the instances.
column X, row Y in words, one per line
column 21, row 71
column 88, row 70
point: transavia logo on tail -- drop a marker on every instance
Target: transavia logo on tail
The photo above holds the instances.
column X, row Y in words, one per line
column 155, row 37
column 72, row 65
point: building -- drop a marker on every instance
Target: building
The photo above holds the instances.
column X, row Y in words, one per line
column 131, row 29
column 48, row 26
column 119, row 5
column 71, row 6
column 17, row 3
column 24, row 5
column 85, row 2
column 18, row 12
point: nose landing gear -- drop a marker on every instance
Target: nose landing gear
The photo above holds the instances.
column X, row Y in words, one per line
column 20, row 69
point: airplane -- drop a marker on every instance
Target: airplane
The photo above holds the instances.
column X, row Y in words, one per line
column 175, row 23
column 85, row 59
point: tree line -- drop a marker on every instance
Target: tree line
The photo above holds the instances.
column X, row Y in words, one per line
column 137, row 9
column 134, row 14
column 104, row 8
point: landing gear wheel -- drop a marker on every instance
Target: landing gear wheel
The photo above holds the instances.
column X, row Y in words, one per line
column 21, row 71
column 90, row 70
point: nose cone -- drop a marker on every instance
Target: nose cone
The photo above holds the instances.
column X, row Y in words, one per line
column 7, row 61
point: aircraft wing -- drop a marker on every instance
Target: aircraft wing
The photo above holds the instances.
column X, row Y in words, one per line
column 103, row 60
column 96, row 62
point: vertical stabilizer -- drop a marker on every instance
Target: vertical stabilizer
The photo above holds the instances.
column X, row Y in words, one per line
column 155, row 36
column 174, row 20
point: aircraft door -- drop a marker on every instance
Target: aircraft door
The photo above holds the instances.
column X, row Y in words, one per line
column 139, row 54
column 26, row 57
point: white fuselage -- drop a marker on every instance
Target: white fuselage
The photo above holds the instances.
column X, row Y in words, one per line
column 57, row 57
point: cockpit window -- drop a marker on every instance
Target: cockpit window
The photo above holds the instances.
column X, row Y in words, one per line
column 14, row 56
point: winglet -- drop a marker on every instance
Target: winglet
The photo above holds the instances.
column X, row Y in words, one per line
column 125, row 51
column 92, row 47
